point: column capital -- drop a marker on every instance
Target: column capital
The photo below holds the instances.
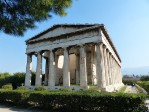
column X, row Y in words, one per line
column 50, row 49
column 82, row 45
column 39, row 52
column 98, row 43
column 104, row 46
column 67, row 48
column 108, row 52
column 30, row 53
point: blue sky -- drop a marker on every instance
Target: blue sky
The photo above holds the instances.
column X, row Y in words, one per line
column 127, row 22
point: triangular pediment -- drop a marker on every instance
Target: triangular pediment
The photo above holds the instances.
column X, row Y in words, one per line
column 57, row 30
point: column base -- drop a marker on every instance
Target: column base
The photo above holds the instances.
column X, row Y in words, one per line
column 114, row 88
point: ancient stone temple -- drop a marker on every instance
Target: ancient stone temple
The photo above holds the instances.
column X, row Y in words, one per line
column 78, row 56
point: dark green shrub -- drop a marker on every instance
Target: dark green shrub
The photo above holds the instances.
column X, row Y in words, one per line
column 40, row 88
column 78, row 101
column 7, row 87
column 16, row 80
column 144, row 78
column 83, row 101
column 129, row 82
column 15, row 97
column 144, row 84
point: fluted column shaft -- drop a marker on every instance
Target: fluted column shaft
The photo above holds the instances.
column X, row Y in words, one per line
column 28, row 70
column 66, row 72
column 56, row 70
column 106, row 65
column 93, row 64
column 38, row 69
column 101, row 81
column 109, row 68
column 51, row 80
column 83, row 71
column 111, row 61
column 46, row 72
column 115, row 81
column 77, row 69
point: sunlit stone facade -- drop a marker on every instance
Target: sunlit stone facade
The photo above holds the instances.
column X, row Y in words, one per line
column 78, row 56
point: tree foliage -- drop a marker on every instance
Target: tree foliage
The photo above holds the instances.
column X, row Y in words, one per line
column 16, row 16
column 16, row 79
column 144, row 78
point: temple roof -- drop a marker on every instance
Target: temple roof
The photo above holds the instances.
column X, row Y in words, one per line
column 80, row 26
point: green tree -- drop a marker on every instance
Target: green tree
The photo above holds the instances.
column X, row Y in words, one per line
column 16, row 16
column 144, row 78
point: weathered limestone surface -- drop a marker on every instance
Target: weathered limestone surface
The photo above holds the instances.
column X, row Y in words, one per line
column 28, row 70
column 51, row 70
column 75, row 54
column 66, row 72
column 83, row 69
column 38, row 69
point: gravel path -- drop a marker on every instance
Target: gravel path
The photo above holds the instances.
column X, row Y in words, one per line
column 9, row 108
column 147, row 103
column 4, row 108
column 131, row 89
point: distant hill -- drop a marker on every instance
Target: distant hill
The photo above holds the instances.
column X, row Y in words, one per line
column 136, row 71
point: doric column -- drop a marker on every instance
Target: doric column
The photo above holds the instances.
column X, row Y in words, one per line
column 119, row 76
column 100, row 72
column 51, row 80
column 46, row 72
column 114, row 75
column 93, row 64
column 39, row 69
column 56, row 70
column 83, row 71
column 117, row 72
column 28, row 70
column 77, row 69
column 109, row 67
column 111, row 70
column 114, row 69
column 106, row 66
column 66, row 72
